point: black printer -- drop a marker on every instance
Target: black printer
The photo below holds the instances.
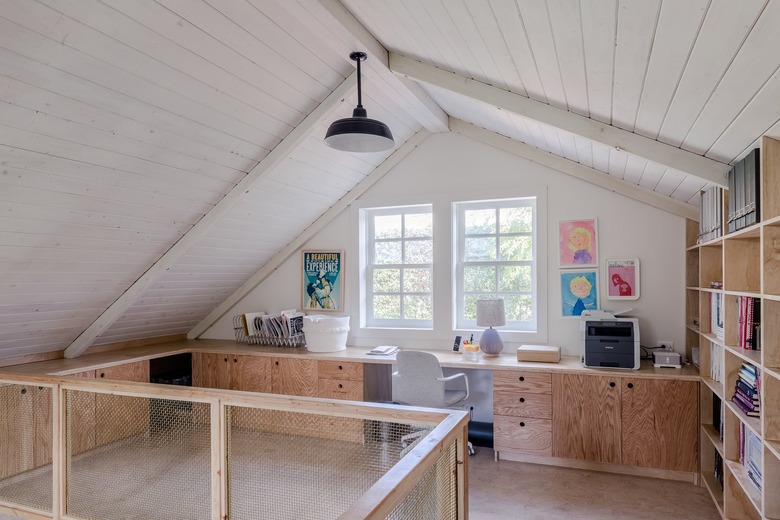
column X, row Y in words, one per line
column 609, row 341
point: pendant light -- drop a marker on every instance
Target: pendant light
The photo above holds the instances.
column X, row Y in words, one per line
column 359, row 133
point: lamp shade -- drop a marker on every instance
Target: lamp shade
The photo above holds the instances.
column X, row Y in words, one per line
column 359, row 134
column 490, row 313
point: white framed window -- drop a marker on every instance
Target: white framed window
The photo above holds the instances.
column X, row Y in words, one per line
column 399, row 266
column 495, row 256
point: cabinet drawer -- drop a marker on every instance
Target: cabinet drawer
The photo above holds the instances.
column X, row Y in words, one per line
column 530, row 382
column 519, row 403
column 522, row 435
column 340, row 389
column 340, row 370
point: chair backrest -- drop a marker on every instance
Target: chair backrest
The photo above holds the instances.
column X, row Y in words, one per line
column 418, row 380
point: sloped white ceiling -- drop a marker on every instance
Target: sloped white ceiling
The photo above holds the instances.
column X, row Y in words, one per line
column 124, row 124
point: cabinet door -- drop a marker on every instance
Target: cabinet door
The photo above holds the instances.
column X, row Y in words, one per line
column 120, row 417
column 81, row 418
column 292, row 376
column 586, row 417
column 250, row 373
column 659, row 423
column 210, row 370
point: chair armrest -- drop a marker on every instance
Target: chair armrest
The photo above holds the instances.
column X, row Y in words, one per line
column 456, row 376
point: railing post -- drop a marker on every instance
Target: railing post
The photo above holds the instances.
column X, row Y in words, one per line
column 59, row 452
column 218, row 466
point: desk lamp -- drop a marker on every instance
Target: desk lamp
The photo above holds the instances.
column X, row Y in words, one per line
column 490, row 313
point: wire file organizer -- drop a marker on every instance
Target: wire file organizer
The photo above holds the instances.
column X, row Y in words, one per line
column 279, row 338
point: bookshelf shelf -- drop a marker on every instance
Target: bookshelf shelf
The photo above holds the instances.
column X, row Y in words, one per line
column 715, row 387
column 712, row 485
column 747, row 262
column 754, row 423
column 749, row 356
column 739, row 473
column 712, row 434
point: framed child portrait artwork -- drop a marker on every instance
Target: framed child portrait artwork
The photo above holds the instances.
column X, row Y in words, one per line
column 578, row 243
column 623, row 279
column 323, row 281
column 579, row 292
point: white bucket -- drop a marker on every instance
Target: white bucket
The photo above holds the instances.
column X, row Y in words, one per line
column 325, row 333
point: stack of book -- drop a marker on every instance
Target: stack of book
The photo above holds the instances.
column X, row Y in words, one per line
column 748, row 332
column 747, row 391
column 743, row 192
column 750, row 448
column 711, row 214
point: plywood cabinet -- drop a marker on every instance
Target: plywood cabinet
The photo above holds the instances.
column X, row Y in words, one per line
column 294, row 376
column 634, row 421
column 340, row 380
column 232, row 372
column 586, row 422
column 522, row 412
column 659, row 423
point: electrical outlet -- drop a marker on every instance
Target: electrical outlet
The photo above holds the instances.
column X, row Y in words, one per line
column 666, row 345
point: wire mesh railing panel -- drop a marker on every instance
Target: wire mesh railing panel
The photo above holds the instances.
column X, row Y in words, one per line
column 435, row 497
column 306, row 466
column 26, row 445
column 137, row 457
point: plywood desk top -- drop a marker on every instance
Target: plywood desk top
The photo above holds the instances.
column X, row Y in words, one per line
column 447, row 358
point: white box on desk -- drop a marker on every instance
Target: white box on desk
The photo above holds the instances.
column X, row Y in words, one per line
column 540, row 353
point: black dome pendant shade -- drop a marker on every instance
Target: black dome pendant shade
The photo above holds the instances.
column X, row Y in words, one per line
column 359, row 133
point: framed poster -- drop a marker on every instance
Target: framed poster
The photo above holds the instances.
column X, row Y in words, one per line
column 578, row 243
column 323, row 280
column 623, row 279
column 579, row 292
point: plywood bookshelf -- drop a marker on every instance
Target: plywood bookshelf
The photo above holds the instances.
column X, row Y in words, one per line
column 747, row 262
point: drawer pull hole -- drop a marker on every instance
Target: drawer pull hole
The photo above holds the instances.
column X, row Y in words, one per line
column 102, row 374
column 521, row 378
column 612, row 384
column 341, row 368
column 341, row 386
column 277, row 363
column 522, row 399
column 631, row 385
column 522, row 424
column 24, row 391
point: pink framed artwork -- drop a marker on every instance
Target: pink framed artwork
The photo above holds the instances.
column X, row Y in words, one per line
column 578, row 243
column 623, row 279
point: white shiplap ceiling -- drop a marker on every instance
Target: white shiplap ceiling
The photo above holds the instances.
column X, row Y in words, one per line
column 160, row 157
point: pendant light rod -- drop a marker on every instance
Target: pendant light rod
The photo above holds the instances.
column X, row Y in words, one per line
column 358, row 57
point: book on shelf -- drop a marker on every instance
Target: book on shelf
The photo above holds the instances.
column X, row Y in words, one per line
column 711, row 214
column 744, row 408
column 716, row 314
column 750, row 391
column 749, row 318
column 752, row 457
column 744, row 190
column 718, row 469
column 745, row 404
column 716, row 362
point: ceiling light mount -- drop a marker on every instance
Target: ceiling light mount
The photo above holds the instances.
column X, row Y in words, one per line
column 359, row 133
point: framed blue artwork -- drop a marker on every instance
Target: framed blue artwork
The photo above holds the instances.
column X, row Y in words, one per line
column 579, row 291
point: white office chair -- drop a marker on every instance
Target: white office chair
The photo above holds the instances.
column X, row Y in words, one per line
column 419, row 381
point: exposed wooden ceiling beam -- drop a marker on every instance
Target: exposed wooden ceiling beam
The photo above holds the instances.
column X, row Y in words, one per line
column 353, row 36
column 238, row 193
column 707, row 170
column 603, row 180
column 310, row 232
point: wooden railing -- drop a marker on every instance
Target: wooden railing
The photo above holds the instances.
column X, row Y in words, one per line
column 42, row 420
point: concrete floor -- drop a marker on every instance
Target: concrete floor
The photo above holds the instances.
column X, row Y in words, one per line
column 506, row 490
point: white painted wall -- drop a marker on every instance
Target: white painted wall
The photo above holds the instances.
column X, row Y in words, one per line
column 450, row 163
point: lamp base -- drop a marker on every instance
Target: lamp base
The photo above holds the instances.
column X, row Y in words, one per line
column 491, row 343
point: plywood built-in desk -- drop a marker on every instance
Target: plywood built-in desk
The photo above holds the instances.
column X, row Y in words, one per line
column 638, row 422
